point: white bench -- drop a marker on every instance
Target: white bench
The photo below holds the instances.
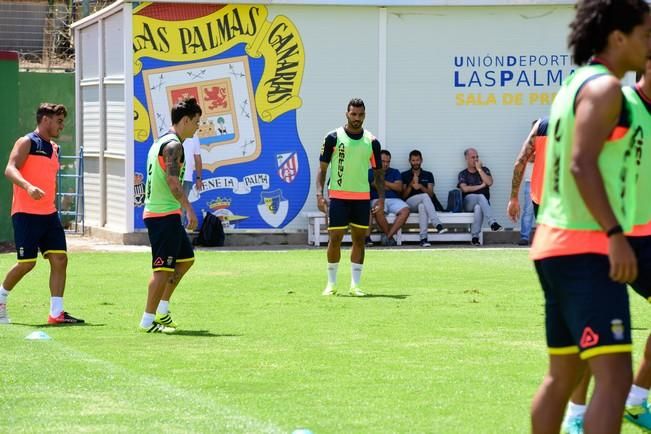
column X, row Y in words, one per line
column 317, row 232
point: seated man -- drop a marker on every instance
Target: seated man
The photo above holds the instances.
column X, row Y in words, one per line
column 474, row 182
column 392, row 202
column 418, row 192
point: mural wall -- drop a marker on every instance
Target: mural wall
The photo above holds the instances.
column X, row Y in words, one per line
column 245, row 69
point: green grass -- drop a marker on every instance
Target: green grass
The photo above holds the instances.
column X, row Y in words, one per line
column 452, row 341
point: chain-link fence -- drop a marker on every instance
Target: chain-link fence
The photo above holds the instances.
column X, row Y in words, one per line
column 39, row 30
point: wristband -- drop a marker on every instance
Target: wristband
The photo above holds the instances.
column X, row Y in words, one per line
column 617, row 229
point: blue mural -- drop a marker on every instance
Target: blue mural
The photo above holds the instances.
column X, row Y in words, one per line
column 245, row 71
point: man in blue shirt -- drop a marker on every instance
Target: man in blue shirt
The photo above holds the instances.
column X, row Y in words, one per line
column 392, row 202
column 474, row 182
column 418, row 192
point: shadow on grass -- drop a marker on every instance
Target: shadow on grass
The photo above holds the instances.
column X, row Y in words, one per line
column 48, row 325
column 202, row 334
column 394, row 296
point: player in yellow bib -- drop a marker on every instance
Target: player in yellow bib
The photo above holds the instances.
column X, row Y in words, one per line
column 582, row 257
column 349, row 150
column 171, row 250
column 637, row 406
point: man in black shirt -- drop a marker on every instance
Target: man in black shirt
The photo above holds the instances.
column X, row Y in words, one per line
column 418, row 192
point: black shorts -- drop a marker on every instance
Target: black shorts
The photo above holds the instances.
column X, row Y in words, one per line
column 35, row 231
column 585, row 311
column 344, row 212
column 642, row 248
column 169, row 242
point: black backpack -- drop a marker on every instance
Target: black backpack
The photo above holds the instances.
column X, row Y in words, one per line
column 211, row 233
column 455, row 201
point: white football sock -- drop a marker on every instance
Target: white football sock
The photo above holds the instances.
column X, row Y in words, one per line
column 163, row 307
column 147, row 320
column 3, row 295
column 575, row 410
column 637, row 395
column 332, row 273
column 356, row 274
column 56, row 306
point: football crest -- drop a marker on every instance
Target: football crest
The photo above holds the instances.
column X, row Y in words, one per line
column 273, row 207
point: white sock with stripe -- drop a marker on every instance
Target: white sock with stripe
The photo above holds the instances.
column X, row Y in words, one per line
column 355, row 274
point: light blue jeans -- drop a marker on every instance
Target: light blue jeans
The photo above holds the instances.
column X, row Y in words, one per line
column 187, row 188
column 527, row 219
column 478, row 204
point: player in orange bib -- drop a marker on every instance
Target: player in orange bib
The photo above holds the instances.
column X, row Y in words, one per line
column 32, row 168
column 531, row 156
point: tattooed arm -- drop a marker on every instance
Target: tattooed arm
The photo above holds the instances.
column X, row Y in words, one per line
column 173, row 154
column 526, row 154
column 321, row 203
column 378, row 181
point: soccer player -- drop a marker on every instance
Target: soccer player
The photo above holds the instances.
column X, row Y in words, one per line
column 637, row 407
column 172, row 253
column 349, row 150
column 32, row 168
column 531, row 154
column 581, row 255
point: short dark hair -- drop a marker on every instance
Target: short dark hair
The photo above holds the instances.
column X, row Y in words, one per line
column 50, row 109
column 596, row 19
column 355, row 102
column 465, row 152
column 415, row 153
column 185, row 107
column 385, row 152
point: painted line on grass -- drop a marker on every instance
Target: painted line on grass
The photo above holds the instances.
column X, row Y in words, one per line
column 222, row 417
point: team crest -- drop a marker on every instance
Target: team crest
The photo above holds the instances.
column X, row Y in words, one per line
column 287, row 166
column 273, row 207
column 228, row 128
column 138, row 189
column 617, row 328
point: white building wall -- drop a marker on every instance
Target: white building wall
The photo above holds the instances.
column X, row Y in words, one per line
column 104, row 119
column 89, row 119
column 115, row 114
column 116, row 207
column 423, row 104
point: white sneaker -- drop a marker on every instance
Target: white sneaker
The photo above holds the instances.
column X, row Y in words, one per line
column 356, row 292
column 4, row 315
column 329, row 290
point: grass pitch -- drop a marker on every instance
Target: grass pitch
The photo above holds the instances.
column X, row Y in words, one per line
column 451, row 341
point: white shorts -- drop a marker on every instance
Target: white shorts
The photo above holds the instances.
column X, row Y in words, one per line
column 392, row 205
